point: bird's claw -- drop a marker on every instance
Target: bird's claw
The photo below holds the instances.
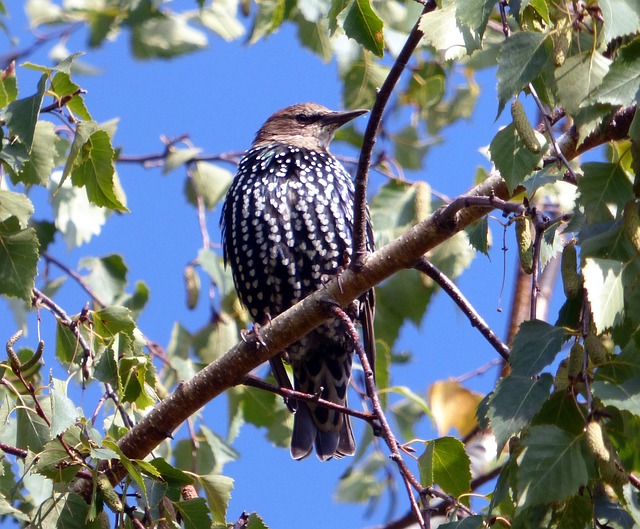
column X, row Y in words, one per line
column 255, row 330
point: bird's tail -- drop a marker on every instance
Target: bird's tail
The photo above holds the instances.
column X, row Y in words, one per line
column 323, row 371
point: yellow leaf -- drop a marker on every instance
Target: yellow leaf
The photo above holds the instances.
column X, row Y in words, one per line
column 453, row 406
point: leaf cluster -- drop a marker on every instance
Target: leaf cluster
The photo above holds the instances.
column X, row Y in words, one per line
column 569, row 59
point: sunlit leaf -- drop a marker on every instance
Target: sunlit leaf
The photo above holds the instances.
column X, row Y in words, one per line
column 578, row 77
column 445, row 463
column 365, row 26
column 605, row 288
column 621, row 17
column 453, row 406
column 194, row 513
column 621, row 85
column 43, row 153
column 166, row 36
column 218, row 490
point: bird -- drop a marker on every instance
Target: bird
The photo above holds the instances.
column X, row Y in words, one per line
column 287, row 228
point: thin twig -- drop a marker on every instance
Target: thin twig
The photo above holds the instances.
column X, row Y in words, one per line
column 87, row 353
column 450, row 288
column 369, row 139
column 253, row 381
column 409, row 479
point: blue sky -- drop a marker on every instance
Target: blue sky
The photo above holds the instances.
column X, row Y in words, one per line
column 220, row 97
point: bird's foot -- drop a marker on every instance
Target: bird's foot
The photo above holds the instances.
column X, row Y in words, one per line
column 255, row 330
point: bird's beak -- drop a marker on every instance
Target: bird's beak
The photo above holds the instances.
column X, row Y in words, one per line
column 339, row 118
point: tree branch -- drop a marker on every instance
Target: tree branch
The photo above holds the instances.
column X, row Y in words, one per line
column 463, row 303
column 370, row 135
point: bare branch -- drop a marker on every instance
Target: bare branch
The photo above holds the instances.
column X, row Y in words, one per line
column 459, row 299
column 370, row 135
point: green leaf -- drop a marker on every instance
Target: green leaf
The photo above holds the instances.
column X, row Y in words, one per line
column 577, row 512
column 53, row 462
column 578, row 77
column 218, row 490
column 106, row 367
column 18, row 259
column 551, row 467
column 478, row 234
column 63, row 86
column 267, row 410
column 133, row 375
column 402, row 297
column 268, row 19
column 475, row 13
column 514, row 403
column 441, row 29
column 621, row 17
column 6, row 509
column 470, row 522
column 361, row 81
column 410, row 148
column 624, row 396
column 362, row 483
column 43, row 153
column 76, row 218
column 84, row 129
column 604, row 190
column 21, row 115
column 169, row 473
column 512, row 158
column 63, row 510
column 534, row 347
column 113, row 320
column 15, row 205
column 522, row 59
column 166, row 36
column 96, row 172
column 364, row 26
column 213, row 265
column 255, row 522
column 177, row 157
column 64, row 411
column 446, row 464
column 621, row 85
column 127, row 463
column 216, row 339
column 605, row 288
column 315, row 36
column 221, row 18
column 107, row 276
column 393, row 210
column 208, row 181
column 194, row 513
column 8, row 87
column 32, row 431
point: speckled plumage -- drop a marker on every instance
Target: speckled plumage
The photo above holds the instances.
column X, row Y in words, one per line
column 287, row 228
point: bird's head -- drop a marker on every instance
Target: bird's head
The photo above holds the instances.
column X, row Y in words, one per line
column 305, row 125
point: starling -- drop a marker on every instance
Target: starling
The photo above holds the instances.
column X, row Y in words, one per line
column 287, row 225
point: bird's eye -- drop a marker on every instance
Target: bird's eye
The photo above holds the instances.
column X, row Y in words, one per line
column 305, row 118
